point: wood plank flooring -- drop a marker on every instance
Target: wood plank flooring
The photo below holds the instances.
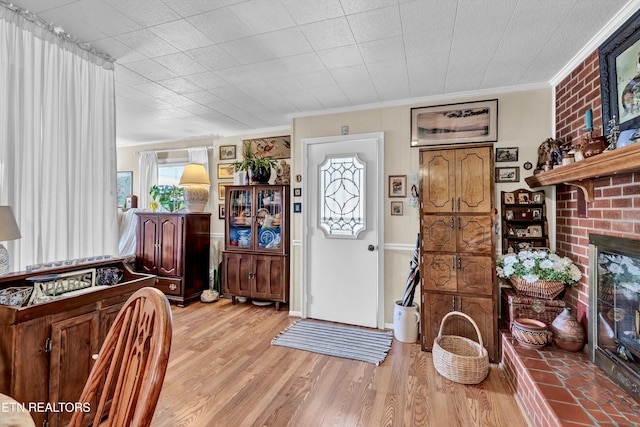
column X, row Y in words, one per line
column 223, row 371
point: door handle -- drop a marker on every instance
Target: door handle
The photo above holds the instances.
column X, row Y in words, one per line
column 371, row 248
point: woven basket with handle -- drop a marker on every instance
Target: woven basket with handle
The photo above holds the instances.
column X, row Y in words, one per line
column 460, row 359
column 544, row 289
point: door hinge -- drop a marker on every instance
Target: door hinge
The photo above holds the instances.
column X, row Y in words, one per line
column 47, row 345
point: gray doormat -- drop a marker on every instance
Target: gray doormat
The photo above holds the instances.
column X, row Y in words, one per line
column 336, row 340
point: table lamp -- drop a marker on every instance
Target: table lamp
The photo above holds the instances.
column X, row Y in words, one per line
column 196, row 187
column 8, row 231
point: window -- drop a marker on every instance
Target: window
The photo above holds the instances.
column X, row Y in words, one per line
column 169, row 174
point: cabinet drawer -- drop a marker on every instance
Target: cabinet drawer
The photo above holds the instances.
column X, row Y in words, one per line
column 170, row 286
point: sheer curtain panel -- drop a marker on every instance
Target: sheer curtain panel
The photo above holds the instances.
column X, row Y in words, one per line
column 148, row 163
column 57, row 145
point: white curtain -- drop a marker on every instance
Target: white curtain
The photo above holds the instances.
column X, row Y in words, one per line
column 57, row 145
column 148, row 166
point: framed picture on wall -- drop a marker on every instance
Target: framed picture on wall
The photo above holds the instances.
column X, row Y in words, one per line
column 396, row 208
column 397, row 185
column 507, row 154
column 221, row 211
column 510, row 174
column 225, row 171
column 618, row 57
column 227, row 152
column 221, row 186
column 455, row 123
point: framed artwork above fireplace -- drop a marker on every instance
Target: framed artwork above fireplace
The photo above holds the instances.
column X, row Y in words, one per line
column 619, row 59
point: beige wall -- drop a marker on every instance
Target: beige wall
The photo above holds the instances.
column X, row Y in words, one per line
column 525, row 119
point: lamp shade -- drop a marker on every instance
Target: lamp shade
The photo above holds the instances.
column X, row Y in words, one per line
column 194, row 174
column 8, row 227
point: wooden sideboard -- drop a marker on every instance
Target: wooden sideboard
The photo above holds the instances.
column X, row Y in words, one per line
column 47, row 350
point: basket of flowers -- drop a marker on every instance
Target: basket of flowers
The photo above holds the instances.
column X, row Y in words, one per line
column 538, row 273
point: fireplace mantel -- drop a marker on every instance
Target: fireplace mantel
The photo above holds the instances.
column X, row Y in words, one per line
column 582, row 173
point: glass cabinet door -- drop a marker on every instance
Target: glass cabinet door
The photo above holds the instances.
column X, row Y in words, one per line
column 240, row 217
column 268, row 218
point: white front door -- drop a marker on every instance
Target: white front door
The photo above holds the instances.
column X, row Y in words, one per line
column 343, row 257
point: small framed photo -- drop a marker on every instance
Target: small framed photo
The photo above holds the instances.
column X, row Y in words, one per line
column 297, row 207
column 397, row 185
column 511, row 231
column 225, row 171
column 396, row 208
column 221, row 186
column 535, row 231
column 538, row 197
column 227, row 152
column 510, row 174
column 523, row 198
column 507, row 154
column 297, row 192
column 508, row 215
column 221, row 211
column 536, row 213
column 509, row 198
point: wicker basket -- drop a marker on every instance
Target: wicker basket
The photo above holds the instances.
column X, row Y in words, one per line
column 544, row 289
column 458, row 358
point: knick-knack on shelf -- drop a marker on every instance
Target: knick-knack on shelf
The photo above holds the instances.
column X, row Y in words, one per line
column 568, row 333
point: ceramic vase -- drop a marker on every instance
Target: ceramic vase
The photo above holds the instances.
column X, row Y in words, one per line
column 568, row 333
column 261, row 175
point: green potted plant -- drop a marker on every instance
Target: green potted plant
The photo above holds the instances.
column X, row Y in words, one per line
column 170, row 197
column 258, row 168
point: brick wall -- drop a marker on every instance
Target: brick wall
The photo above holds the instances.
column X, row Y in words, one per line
column 616, row 209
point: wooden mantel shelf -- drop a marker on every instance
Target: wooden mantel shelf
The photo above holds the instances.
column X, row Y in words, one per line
column 582, row 173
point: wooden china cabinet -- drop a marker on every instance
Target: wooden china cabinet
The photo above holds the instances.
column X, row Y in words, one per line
column 175, row 247
column 457, row 265
column 255, row 260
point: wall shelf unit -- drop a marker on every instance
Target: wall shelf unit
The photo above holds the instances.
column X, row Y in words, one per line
column 582, row 173
column 524, row 220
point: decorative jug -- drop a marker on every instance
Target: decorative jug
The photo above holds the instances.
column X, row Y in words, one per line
column 568, row 333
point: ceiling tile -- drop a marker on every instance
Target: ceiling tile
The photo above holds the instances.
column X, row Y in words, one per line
column 263, row 15
column 180, row 63
column 128, row 77
column 330, row 96
column 328, row 34
column 307, row 11
column 302, row 64
column 350, row 74
column 418, row 16
column 383, row 50
column 317, row 79
column 178, row 101
column 221, row 25
column 247, row 51
column 194, row 7
column 179, row 85
column 151, row 70
column 375, row 24
column 287, row 42
column 213, row 57
column 207, row 80
column 117, row 50
column 361, row 92
column 145, row 12
column 181, row 34
column 155, row 89
column 339, row 57
column 356, row 6
column 147, row 43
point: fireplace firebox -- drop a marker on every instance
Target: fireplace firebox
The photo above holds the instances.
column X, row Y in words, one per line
column 614, row 309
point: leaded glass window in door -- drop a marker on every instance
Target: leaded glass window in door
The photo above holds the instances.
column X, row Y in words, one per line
column 342, row 192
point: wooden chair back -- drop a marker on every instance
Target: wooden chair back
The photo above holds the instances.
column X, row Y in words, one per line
column 125, row 381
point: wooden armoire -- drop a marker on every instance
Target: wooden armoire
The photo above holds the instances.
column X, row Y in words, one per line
column 457, row 265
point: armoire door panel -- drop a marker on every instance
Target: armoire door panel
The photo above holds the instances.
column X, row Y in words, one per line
column 440, row 272
column 475, row 234
column 439, row 233
column 481, row 311
column 475, row 275
column 170, row 235
column 147, row 246
column 438, row 185
column 436, row 306
column 473, row 180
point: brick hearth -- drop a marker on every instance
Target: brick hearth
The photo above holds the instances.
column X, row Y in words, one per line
column 560, row 388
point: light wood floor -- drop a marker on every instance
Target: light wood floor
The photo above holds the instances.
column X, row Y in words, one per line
column 224, row 372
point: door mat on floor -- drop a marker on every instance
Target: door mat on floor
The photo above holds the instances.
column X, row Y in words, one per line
column 337, row 340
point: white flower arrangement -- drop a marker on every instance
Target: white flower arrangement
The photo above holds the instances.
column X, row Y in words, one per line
column 538, row 265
